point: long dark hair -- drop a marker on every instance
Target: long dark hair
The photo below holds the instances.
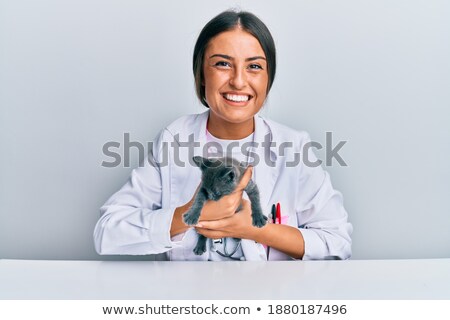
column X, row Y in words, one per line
column 227, row 21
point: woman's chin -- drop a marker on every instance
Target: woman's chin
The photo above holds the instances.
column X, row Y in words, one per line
column 234, row 114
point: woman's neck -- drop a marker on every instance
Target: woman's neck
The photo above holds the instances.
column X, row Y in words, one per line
column 228, row 130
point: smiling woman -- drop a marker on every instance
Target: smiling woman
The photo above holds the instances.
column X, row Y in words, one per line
column 234, row 67
column 235, row 52
column 228, row 21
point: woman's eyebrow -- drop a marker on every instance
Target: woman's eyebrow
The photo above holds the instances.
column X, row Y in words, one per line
column 231, row 58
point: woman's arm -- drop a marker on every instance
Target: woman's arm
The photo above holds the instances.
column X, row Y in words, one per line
column 284, row 238
column 178, row 226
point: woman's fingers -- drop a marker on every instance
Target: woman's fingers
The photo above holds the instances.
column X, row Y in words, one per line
column 212, row 234
column 212, row 224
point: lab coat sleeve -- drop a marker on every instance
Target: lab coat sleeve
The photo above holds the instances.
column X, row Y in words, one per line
column 132, row 220
column 324, row 226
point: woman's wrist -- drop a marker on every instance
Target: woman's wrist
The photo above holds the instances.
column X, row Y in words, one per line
column 258, row 234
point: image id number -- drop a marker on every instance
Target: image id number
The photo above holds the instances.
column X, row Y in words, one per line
column 307, row 309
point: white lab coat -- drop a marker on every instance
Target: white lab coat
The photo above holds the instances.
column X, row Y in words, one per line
column 136, row 220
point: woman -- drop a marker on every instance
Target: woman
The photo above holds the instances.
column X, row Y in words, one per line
column 234, row 68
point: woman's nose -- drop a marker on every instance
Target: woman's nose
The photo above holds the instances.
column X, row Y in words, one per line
column 238, row 78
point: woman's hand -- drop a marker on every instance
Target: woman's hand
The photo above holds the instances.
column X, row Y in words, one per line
column 227, row 205
column 238, row 225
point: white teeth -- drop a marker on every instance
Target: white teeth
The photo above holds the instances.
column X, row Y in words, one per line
column 236, row 98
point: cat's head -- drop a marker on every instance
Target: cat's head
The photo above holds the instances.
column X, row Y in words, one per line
column 220, row 176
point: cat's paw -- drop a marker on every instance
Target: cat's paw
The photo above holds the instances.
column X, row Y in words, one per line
column 200, row 248
column 259, row 221
column 190, row 218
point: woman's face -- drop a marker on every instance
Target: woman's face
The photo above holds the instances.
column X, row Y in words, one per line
column 236, row 78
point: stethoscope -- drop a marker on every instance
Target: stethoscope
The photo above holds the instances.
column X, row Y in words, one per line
column 225, row 254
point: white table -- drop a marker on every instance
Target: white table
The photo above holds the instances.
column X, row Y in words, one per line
column 353, row 279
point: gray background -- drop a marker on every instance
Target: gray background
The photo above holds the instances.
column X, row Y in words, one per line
column 77, row 74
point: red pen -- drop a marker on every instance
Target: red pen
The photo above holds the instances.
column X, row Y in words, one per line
column 278, row 213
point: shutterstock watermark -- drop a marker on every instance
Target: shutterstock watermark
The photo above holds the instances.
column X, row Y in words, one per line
column 118, row 153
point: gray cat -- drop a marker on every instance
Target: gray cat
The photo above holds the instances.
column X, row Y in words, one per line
column 220, row 176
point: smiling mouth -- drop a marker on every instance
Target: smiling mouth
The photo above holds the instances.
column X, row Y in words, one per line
column 236, row 97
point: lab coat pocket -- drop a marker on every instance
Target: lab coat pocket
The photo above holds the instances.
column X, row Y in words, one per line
column 286, row 219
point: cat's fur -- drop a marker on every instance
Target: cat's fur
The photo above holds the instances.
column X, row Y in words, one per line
column 220, row 176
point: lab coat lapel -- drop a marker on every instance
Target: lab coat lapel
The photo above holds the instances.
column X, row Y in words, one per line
column 265, row 172
column 200, row 132
column 184, row 177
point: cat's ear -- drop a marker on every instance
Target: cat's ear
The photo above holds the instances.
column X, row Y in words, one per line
column 199, row 161
column 228, row 175
column 203, row 163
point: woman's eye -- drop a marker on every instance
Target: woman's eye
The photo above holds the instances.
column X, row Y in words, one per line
column 255, row 67
column 222, row 64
